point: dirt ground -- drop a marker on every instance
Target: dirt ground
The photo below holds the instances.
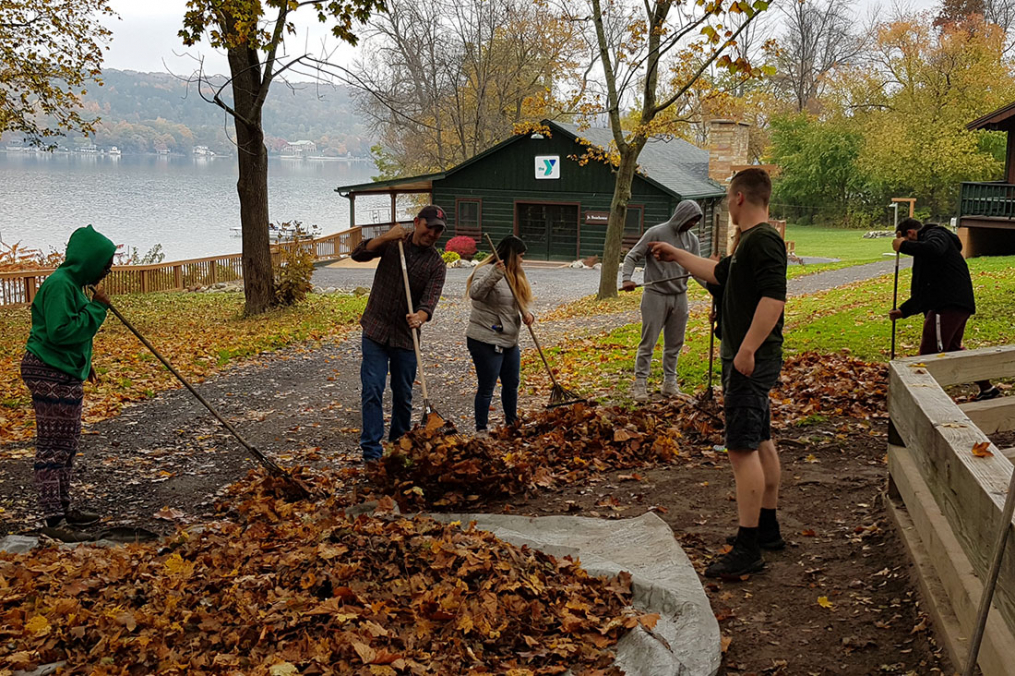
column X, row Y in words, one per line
column 842, row 552
column 838, row 600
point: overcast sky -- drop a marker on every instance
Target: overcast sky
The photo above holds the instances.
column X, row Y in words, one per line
column 145, row 37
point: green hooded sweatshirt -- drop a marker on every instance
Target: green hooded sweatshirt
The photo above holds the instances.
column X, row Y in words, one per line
column 64, row 321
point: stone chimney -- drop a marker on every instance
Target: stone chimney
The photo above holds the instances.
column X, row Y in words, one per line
column 727, row 147
column 728, row 142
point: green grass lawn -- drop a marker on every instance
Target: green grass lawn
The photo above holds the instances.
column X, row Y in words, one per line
column 845, row 245
column 853, row 318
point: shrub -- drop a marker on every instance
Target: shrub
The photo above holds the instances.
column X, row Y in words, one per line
column 294, row 270
column 450, row 257
column 462, row 245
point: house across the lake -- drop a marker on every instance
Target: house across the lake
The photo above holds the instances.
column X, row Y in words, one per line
column 987, row 209
column 533, row 186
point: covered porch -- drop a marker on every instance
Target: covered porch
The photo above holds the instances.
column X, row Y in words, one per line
column 987, row 209
column 379, row 204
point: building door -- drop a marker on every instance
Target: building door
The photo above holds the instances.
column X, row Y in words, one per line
column 550, row 231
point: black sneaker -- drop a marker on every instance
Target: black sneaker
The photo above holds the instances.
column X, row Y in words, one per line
column 733, row 566
column 80, row 518
column 990, row 393
column 772, row 542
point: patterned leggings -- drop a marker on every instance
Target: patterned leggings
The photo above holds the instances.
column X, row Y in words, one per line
column 57, row 399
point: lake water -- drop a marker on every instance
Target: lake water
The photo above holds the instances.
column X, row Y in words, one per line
column 186, row 204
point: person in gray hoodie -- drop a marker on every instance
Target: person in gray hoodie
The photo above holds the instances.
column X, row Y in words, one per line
column 494, row 325
column 664, row 304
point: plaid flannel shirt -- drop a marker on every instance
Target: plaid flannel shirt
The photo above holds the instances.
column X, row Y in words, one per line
column 384, row 319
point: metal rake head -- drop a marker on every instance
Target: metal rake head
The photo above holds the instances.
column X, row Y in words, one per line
column 560, row 396
column 437, row 424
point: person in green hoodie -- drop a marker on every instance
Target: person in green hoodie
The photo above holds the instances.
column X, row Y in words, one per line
column 57, row 361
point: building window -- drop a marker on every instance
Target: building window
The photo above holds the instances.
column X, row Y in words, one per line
column 468, row 219
column 634, row 225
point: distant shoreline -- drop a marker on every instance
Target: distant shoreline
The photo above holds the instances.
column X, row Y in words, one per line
column 75, row 153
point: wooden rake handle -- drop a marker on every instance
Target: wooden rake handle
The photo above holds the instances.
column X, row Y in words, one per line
column 415, row 335
column 514, row 293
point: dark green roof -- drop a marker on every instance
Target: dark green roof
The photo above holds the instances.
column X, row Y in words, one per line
column 671, row 164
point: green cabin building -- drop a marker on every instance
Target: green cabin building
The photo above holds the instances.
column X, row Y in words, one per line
column 532, row 186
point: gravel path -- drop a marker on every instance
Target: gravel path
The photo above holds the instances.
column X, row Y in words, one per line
column 299, row 404
column 822, row 281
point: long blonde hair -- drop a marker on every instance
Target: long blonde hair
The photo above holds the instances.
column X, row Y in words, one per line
column 512, row 247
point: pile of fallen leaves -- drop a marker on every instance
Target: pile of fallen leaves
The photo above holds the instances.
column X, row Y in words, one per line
column 554, row 446
column 830, row 385
column 563, row 445
column 303, row 588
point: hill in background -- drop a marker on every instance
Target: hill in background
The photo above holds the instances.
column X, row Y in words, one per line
column 158, row 112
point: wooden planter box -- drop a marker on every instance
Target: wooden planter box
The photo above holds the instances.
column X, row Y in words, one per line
column 946, row 502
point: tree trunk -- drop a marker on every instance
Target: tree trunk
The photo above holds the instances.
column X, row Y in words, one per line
column 618, row 218
column 252, row 186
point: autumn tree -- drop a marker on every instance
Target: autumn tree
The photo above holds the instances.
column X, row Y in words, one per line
column 650, row 56
column 913, row 99
column 447, row 79
column 49, row 53
column 253, row 34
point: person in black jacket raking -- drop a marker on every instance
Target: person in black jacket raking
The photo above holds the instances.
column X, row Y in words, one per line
column 941, row 290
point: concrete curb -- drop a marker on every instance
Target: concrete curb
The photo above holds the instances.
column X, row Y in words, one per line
column 686, row 641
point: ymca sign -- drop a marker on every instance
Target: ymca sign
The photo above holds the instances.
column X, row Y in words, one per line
column 547, row 166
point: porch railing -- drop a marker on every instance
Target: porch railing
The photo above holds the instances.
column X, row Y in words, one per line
column 995, row 200
column 19, row 287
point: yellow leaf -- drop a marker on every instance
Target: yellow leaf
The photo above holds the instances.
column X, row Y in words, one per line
column 811, row 458
column 38, row 626
column 825, row 603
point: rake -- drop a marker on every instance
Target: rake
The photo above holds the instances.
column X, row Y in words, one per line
column 296, row 484
column 559, row 395
column 432, row 420
column 662, row 281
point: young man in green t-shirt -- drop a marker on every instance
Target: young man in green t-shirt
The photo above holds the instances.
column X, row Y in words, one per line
column 754, row 295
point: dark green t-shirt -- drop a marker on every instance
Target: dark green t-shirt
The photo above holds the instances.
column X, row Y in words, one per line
column 756, row 270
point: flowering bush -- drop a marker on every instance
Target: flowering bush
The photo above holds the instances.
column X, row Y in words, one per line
column 462, row 245
column 450, row 257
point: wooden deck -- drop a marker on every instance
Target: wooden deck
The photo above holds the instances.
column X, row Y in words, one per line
column 947, row 502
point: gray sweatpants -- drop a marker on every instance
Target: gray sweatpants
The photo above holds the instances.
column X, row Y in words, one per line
column 667, row 314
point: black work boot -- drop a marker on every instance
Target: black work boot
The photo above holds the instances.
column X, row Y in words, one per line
column 743, row 559
column 769, row 535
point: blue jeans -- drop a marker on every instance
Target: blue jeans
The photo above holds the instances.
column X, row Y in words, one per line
column 373, row 372
column 491, row 365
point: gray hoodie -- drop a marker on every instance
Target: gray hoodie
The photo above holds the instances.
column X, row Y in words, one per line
column 668, row 232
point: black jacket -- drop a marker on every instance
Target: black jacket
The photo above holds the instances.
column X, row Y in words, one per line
column 940, row 274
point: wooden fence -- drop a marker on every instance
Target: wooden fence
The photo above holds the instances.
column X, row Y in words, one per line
column 17, row 288
column 947, row 502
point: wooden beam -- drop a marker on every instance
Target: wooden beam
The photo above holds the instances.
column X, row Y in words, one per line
column 953, row 574
column 992, row 416
column 968, row 490
column 967, row 366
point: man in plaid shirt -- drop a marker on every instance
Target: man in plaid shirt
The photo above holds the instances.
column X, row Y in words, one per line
column 387, row 321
